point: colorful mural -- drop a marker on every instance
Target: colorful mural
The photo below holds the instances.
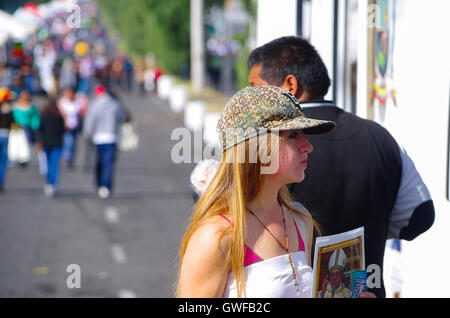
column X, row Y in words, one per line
column 384, row 45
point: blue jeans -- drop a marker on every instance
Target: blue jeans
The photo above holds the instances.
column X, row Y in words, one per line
column 3, row 158
column 28, row 81
column 69, row 144
column 53, row 154
column 84, row 85
column 106, row 157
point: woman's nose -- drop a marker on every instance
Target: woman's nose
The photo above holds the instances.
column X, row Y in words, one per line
column 305, row 145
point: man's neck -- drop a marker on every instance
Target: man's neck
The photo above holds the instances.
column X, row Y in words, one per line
column 307, row 96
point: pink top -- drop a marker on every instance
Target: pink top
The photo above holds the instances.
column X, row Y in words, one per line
column 250, row 257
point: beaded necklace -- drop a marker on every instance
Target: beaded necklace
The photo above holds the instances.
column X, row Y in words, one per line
column 284, row 247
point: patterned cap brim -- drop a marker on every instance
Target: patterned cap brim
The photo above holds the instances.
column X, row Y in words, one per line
column 308, row 125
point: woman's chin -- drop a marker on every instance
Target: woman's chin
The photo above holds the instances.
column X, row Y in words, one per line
column 297, row 179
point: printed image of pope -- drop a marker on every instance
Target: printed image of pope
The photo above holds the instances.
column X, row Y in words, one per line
column 333, row 285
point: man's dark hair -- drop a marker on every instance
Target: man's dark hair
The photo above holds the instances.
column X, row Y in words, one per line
column 291, row 55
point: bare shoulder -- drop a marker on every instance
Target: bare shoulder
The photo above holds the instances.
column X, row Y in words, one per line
column 210, row 235
column 300, row 208
column 203, row 270
column 301, row 213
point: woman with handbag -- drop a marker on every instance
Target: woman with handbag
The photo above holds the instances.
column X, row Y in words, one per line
column 26, row 115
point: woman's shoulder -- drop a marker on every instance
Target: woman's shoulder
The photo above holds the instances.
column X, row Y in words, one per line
column 300, row 208
column 212, row 231
column 209, row 243
column 204, row 265
column 212, row 228
column 305, row 223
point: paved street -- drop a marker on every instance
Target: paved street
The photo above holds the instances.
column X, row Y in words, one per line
column 125, row 246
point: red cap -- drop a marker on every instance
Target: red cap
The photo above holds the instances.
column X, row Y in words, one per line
column 100, row 89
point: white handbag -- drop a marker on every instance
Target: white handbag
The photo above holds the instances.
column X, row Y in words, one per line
column 18, row 146
column 128, row 137
column 43, row 167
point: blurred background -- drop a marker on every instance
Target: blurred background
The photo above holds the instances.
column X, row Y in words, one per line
column 174, row 64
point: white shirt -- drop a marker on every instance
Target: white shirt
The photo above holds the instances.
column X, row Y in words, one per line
column 412, row 193
column 273, row 278
column 70, row 110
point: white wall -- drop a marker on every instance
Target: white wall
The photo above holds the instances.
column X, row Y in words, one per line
column 420, row 123
column 279, row 18
column 275, row 19
column 322, row 34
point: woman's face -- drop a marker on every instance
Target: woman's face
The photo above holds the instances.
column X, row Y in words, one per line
column 294, row 148
column 69, row 94
column 25, row 96
column 5, row 107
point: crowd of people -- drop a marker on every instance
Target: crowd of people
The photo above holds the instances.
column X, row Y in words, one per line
column 51, row 133
column 72, row 73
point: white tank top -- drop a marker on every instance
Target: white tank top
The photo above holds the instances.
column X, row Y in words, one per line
column 273, row 278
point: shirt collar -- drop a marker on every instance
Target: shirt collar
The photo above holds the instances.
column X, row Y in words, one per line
column 317, row 103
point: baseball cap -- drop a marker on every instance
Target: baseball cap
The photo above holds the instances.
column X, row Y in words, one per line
column 253, row 111
column 100, row 89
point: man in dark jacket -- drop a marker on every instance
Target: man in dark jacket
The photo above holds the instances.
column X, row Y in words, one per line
column 357, row 175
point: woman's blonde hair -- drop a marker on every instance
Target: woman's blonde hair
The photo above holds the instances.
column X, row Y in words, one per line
column 234, row 185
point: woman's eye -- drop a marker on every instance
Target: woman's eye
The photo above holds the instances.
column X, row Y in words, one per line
column 293, row 135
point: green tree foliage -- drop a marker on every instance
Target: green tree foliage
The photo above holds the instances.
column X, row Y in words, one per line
column 159, row 27
column 162, row 28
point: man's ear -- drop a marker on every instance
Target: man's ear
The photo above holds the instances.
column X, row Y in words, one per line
column 291, row 84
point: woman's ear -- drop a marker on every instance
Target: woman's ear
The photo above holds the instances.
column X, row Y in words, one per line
column 291, row 84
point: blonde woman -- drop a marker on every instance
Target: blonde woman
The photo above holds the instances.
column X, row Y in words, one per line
column 246, row 237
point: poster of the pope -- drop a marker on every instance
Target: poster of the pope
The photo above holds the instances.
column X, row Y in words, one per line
column 336, row 257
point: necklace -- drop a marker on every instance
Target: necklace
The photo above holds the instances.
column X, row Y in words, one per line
column 284, row 247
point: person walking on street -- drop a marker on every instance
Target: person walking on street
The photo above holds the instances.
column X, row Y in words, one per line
column 6, row 119
column 101, row 126
column 51, row 133
column 86, row 73
column 27, row 116
column 70, row 108
column 68, row 77
column 370, row 179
